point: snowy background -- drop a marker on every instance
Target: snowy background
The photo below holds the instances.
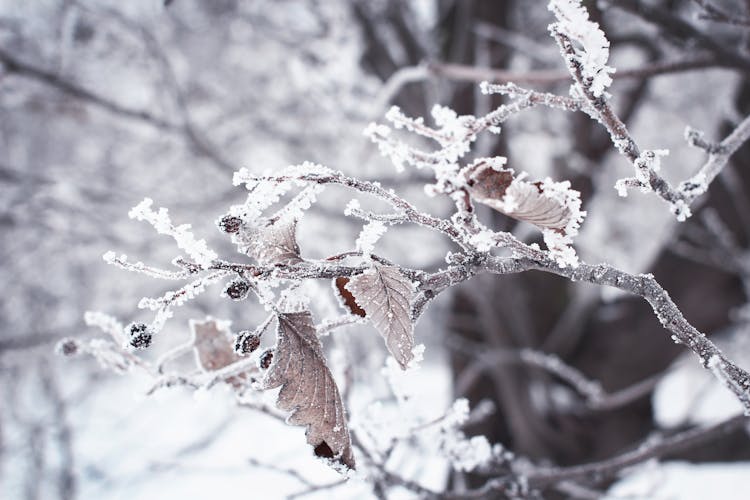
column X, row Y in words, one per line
column 103, row 103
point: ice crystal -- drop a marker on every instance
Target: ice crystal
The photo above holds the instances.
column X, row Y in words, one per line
column 573, row 20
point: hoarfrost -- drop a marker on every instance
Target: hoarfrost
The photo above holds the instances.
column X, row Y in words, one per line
column 573, row 20
column 196, row 249
column 370, row 234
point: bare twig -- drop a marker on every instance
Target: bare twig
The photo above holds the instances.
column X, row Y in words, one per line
column 718, row 157
column 594, row 395
column 18, row 67
column 712, row 12
column 544, row 476
column 66, row 480
column 681, row 29
column 15, row 66
column 282, row 470
column 461, row 72
column 646, row 176
column 454, row 135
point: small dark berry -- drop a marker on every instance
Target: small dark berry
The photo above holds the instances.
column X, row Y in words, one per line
column 229, row 224
column 67, row 347
column 265, row 359
column 140, row 336
column 237, row 289
column 246, row 342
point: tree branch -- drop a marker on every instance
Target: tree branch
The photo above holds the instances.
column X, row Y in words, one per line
column 460, row 72
column 544, row 476
column 186, row 130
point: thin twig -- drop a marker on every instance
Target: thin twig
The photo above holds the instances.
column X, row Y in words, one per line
column 13, row 65
column 460, row 72
column 545, row 476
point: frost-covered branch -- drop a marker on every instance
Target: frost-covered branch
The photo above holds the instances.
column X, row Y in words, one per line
column 460, row 72
column 591, row 77
column 646, row 163
column 390, row 297
column 543, row 476
column 368, row 282
column 643, row 285
column 674, row 26
column 718, row 157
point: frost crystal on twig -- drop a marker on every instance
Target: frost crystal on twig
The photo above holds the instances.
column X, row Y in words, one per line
column 370, row 234
column 196, row 249
column 386, row 294
column 573, row 20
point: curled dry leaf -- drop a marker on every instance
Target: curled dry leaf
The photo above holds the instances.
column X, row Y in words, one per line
column 487, row 183
column 385, row 295
column 547, row 205
column 308, row 390
column 275, row 242
column 346, row 298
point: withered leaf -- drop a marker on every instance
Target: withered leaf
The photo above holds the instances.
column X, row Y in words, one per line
column 533, row 206
column 308, row 390
column 275, row 242
column 213, row 346
column 347, row 299
column 385, row 294
column 515, row 197
column 487, row 183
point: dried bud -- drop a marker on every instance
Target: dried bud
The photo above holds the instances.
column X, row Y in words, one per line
column 237, row 289
column 229, row 224
column 265, row 359
column 246, row 342
column 140, row 335
column 67, row 347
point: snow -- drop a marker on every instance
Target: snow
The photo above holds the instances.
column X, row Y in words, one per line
column 683, row 481
column 681, row 210
column 370, row 234
column 520, row 199
column 108, row 324
column 178, row 446
column 468, row 454
column 689, row 395
column 484, row 240
column 696, row 185
column 573, row 20
column 560, row 244
column 297, row 207
column 197, row 249
column 621, row 187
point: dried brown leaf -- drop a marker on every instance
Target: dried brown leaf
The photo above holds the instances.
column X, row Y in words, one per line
column 212, row 344
column 346, row 297
column 275, row 242
column 515, row 197
column 385, row 294
column 487, row 183
column 308, row 390
column 534, row 206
